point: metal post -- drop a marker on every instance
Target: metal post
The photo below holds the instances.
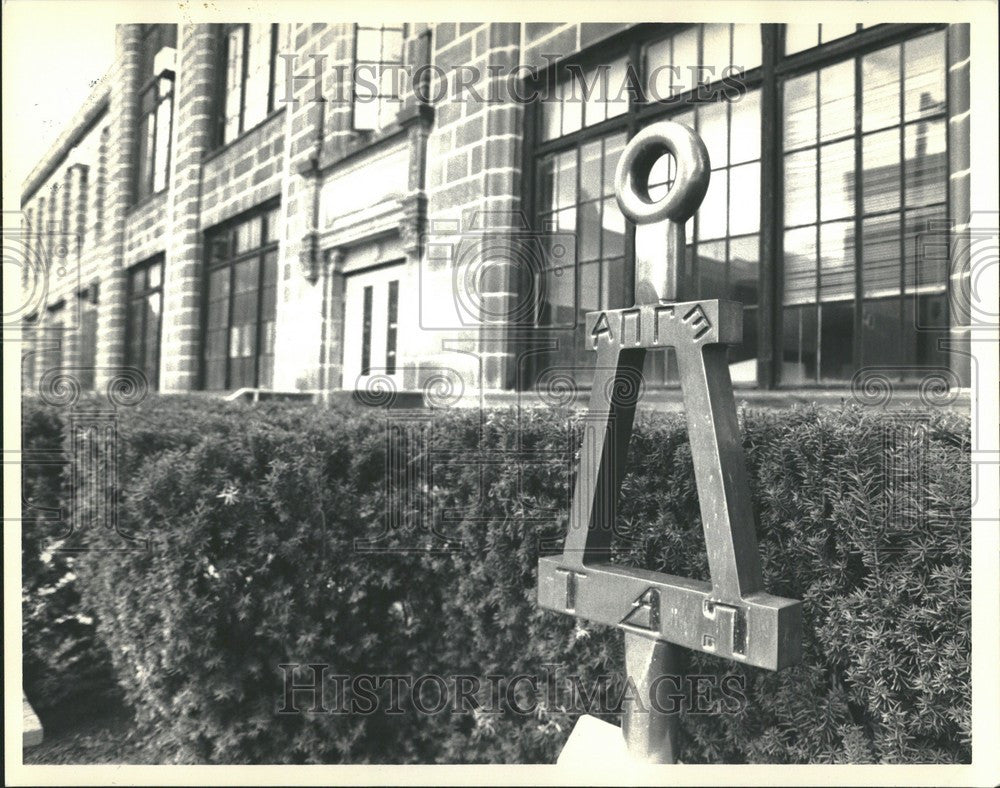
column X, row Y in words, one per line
column 650, row 731
column 650, row 728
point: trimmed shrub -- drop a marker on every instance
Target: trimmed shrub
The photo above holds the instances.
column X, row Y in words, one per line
column 64, row 663
column 286, row 535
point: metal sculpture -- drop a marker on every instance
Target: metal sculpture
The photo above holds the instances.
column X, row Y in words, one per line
column 732, row 616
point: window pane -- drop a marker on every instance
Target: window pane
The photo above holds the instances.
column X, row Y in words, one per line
column 559, row 297
column 800, row 188
column 685, row 58
column 152, row 338
column 280, row 81
column 160, row 173
column 551, row 119
column 658, row 62
column 800, row 111
column 881, row 175
column 594, row 92
column 590, row 170
column 613, row 147
column 926, row 163
column 836, row 198
column 613, row 227
column 234, row 82
column 258, row 74
column 836, row 110
column 712, row 214
column 881, row 255
column 880, row 88
column 746, row 46
column 613, row 295
column 392, row 312
column 146, row 145
column 247, row 235
column 836, row 277
column 711, row 270
column 926, row 268
column 745, row 134
column 571, row 98
column 799, row 340
column 618, row 95
column 800, row 266
column 713, row 128
column 880, row 331
column 366, row 333
column 836, row 341
column 589, row 235
column 715, row 50
column 800, row 37
column 744, row 267
column 924, row 69
column 369, row 45
column 743, row 357
column 744, row 199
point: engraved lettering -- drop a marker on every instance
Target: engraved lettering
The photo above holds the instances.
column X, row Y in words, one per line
column 571, row 581
column 601, row 327
column 697, row 317
column 645, row 613
column 631, row 327
column 660, row 316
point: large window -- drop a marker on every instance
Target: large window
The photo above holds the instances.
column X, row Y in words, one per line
column 865, row 171
column 156, row 99
column 251, row 78
column 855, row 124
column 145, row 310
column 378, row 56
column 241, row 294
column 88, row 335
column 583, row 134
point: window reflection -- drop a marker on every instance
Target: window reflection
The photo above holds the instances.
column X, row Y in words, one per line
column 900, row 134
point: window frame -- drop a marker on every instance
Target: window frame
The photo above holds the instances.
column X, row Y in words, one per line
column 229, row 228
column 403, row 31
column 769, row 77
column 144, row 189
column 221, row 87
column 132, row 295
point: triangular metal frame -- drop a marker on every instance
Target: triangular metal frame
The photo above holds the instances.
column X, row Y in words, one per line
column 731, row 616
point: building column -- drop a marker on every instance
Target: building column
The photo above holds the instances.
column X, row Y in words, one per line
column 183, row 274
column 123, row 117
column 959, row 165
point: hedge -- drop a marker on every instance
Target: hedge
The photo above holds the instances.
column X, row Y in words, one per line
column 270, row 545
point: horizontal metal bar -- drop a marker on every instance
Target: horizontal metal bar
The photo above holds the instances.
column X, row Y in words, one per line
column 761, row 629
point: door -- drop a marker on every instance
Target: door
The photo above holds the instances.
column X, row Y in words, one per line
column 371, row 320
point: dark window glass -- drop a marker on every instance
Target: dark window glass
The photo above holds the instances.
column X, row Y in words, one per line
column 392, row 319
column 366, row 333
column 241, row 302
column 145, row 306
column 88, row 338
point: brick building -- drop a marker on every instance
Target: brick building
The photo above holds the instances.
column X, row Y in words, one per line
column 298, row 207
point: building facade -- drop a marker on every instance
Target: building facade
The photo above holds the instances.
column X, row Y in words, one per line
column 313, row 208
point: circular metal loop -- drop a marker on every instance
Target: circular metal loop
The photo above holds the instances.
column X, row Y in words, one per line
column 690, row 184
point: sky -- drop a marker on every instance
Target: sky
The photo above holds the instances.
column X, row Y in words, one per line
column 53, row 54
